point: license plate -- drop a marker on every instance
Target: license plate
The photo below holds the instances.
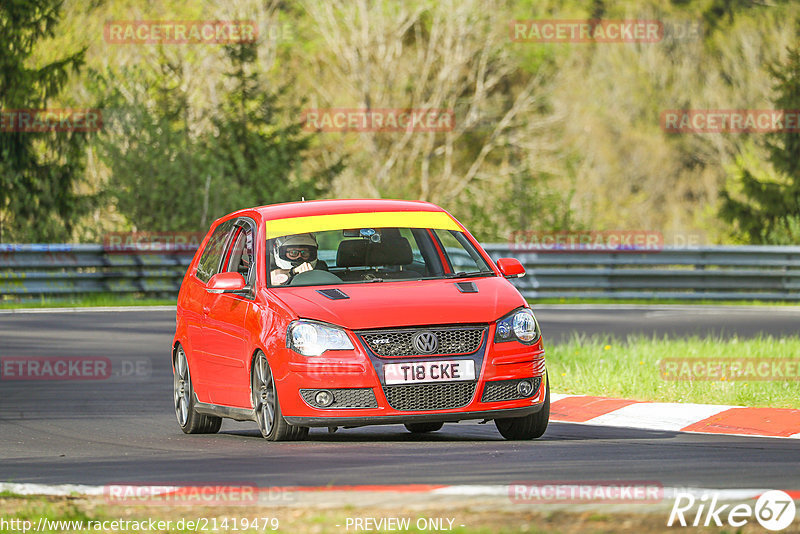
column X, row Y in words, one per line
column 418, row 372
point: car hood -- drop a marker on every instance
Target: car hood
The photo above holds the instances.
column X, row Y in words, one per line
column 406, row 303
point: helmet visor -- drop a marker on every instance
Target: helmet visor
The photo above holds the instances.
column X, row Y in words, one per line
column 298, row 253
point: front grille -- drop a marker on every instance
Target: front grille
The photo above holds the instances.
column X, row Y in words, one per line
column 343, row 398
column 409, row 398
column 503, row 390
column 399, row 343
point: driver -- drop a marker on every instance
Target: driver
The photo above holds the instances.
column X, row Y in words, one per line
column 293, row 254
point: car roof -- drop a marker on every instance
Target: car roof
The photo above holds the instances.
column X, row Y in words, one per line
column 330, row 207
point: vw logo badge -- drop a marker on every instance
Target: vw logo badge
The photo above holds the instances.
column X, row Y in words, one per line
column 426, row 342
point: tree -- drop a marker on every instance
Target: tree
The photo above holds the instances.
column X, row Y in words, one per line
column 159, row 174
column 39, row 171
column 175, row 167
column 259, row 144
column 449, row 55
column 771, row 202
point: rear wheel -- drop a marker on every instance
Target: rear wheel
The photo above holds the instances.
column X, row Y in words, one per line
column 189, row 420
column 267, row 407
column 422, row 428
column 529, row 427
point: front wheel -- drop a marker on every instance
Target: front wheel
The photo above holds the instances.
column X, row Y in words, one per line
column 422, row 428
column 189, row 420
column 267, row 407
column 528, row 427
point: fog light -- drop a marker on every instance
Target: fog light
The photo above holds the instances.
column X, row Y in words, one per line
column 524, row 388
column 503, row 330
column 323, row 398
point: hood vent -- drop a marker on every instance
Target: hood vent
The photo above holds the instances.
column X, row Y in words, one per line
column 467, row 287
column 333, row 294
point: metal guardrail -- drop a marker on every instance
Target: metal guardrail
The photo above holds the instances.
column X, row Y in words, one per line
column 709, row 273
column 53, row 270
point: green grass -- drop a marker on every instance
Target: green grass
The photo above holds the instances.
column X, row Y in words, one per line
column 629, row 368
column 84, row 301
column 310, row 519
column 305, row 520
column 10, row 494
column 42, row 507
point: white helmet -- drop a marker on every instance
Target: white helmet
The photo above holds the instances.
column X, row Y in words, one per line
column 297, row 240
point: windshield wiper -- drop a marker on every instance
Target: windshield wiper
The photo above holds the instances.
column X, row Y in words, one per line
column 473, row 274
column 460, row 274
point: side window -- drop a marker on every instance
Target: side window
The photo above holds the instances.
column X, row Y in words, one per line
column 240, row 256
column 209, row 262
column 460, row 258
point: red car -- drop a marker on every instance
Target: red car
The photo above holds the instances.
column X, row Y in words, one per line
column 344, row 313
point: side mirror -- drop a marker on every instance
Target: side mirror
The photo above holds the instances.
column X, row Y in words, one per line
column 510, row 267
column 226, row 283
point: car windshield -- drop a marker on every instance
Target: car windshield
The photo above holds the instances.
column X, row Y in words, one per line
column 365, row 255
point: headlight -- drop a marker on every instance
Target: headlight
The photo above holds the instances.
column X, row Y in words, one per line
column 312, row 339
column 519, row 325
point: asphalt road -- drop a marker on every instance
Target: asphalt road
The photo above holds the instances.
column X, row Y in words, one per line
column 560, row 322
column 123, row 429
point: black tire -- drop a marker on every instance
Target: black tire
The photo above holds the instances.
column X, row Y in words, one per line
column 189, row 420
column 529, row 427
column 422, row 428
column 267, row 407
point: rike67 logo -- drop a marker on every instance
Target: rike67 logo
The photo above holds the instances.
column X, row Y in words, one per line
column 774, row 510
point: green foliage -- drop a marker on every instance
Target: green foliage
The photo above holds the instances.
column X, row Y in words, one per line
column 529, row 201
column 169, row 174
column 194, row 131
column 39, row 171
column 784, row 148
column 722, row 12
column 785, row 231
column 535, row 205
column 771, row 205
column 259, row 144
column 157, row 166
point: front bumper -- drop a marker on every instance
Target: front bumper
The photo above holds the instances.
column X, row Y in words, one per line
column 412, row 418
column 360, row 372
